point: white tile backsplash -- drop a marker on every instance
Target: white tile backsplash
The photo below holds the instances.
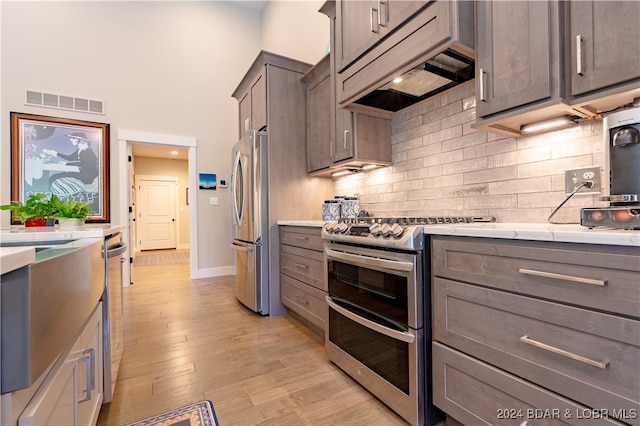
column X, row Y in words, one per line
column 442, row 166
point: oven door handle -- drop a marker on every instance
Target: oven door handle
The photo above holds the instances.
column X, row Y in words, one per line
column 394, row 334
column 393, row 265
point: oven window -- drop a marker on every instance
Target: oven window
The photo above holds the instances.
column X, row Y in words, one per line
column 387, row 357
column 382, row 293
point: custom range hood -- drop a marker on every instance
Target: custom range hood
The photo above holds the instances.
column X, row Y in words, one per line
column 443, row 71
column 431, row 51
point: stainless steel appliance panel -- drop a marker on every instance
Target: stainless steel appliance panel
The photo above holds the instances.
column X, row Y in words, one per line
column 250, row 212
column 112, row 312
column 375, row 327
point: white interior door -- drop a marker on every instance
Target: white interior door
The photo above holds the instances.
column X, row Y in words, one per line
column 156, row 211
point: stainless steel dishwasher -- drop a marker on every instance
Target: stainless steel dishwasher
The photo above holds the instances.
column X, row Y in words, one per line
column 112, row 311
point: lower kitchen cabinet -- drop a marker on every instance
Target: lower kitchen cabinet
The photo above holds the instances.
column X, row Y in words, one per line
column 72, row 392
column 302, row 283
column 529, row 331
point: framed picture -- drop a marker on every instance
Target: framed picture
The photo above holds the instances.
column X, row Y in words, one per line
column 207, row 181
column 68, row 158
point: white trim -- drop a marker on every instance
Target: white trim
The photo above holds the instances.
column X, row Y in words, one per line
column 126, row 137
column 216, row 272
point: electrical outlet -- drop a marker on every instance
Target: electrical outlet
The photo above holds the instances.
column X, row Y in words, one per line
column 574, row 177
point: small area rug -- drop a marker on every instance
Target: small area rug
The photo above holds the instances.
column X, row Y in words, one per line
column 161, row 257
column 198, row 414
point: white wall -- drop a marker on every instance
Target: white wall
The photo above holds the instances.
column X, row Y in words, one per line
column 161, row 67
column 296, row 29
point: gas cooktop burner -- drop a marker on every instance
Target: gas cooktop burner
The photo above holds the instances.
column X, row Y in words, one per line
column 395, row 232
column 624, row 217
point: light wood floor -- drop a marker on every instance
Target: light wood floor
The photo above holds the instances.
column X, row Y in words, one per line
column 189, row 340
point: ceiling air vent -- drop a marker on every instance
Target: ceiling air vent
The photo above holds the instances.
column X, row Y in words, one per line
column 51, row 100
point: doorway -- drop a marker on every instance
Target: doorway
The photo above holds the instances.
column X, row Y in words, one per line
column 126, row 140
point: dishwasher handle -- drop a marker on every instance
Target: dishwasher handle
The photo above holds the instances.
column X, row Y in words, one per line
column 116, row 249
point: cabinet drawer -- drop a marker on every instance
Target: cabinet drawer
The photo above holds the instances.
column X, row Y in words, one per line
column 600, row 277
column 304, row 265
column 587, row 356
column 298, row 236
column 307, row 301
column 476, row 393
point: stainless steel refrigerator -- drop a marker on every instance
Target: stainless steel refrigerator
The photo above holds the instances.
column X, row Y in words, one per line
column 249, row 187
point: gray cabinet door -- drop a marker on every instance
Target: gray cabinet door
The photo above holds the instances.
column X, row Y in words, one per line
column 356, row 26
column 259, row 103
column 515, row 64
column 343, row 148
column 605, row 44
column 253, row 107
column 361, row 24
column 319, row 135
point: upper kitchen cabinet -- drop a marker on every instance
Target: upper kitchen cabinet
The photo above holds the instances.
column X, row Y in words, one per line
column 253, row 106
column 605, row 45
column 252, row 94
column 356, row 140
column 541, row 60
column 517, row 60
column 429, row 44
column 319, row 111
column 364, row 23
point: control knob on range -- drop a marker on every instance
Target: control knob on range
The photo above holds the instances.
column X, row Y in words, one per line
column 385, row 230
column 374, row 229
column 396, row 230
column 330, row 227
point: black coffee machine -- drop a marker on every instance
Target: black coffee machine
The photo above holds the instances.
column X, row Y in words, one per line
column 622, row 172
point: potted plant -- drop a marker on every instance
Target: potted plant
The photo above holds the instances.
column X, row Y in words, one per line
column 33, row 212
column 70, row 213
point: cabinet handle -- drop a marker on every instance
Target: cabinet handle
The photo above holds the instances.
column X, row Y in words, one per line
column 553, row 349
column 563, row 277
column 301, row 266
column 481, row 89
column 89, row 369
column 247, row 125
column 302, row 238
column 373, row 21
column 346, row 139
column 331, row 149
column 579, row 54
column 383, row 9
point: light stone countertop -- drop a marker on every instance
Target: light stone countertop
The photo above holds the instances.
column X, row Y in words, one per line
column 310, row 223
column 540, row 232
column 522, row 231
column 12, row 258
column 55, row 233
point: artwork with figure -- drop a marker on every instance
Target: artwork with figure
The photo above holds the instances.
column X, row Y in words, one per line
column 67, row 158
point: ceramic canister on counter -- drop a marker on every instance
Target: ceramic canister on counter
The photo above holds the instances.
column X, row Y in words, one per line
column 350, row 207
column 331, row 210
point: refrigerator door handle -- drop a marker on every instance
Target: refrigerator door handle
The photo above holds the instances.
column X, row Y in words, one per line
column 238, row 208
column 240, row 247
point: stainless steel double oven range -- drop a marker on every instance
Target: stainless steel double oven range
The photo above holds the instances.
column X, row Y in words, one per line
column 379, row 298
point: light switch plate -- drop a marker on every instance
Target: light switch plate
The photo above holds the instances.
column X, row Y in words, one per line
column 214, row 201
column 574, row 177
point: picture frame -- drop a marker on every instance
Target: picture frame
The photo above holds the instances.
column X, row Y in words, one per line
column 61, row 156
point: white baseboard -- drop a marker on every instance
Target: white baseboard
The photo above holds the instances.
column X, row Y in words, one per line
column 215, row 272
